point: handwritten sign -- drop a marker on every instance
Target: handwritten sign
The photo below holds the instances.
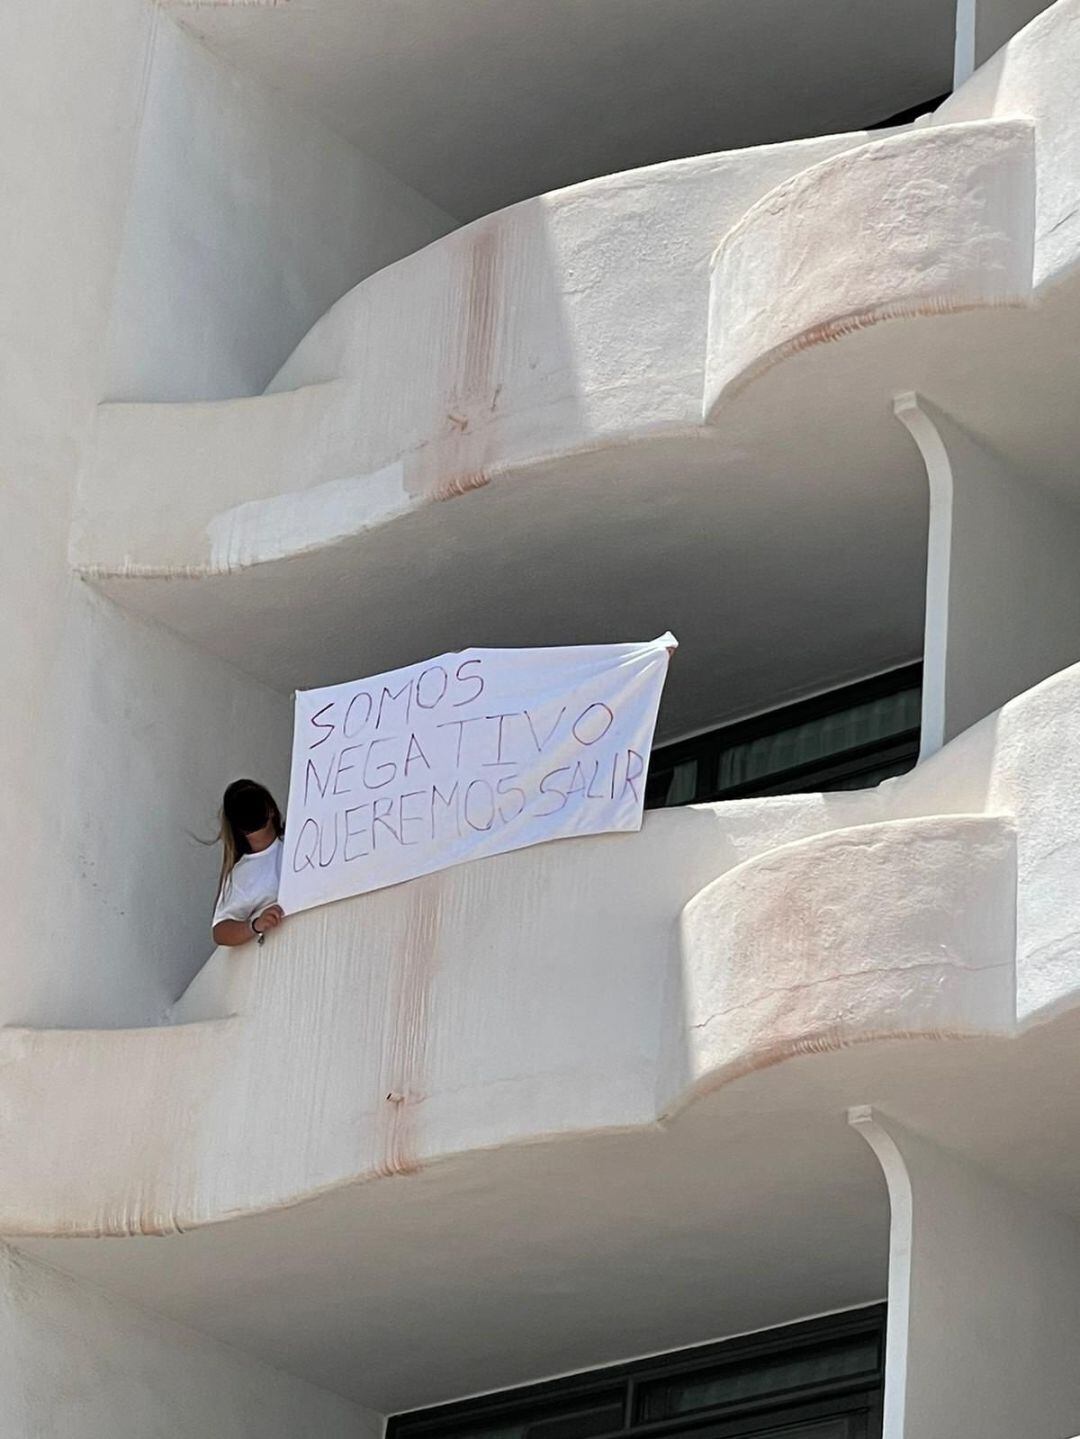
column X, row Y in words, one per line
column 467, row 755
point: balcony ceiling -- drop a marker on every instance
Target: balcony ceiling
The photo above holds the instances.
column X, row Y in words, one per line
column 755, row 1206
column 624, row 541
column 480, row 103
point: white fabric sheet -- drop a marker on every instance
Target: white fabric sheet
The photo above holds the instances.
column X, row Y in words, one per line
column 463, row 756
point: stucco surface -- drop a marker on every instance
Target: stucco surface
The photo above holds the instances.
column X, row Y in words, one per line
column 566, row 322
column 953, row 215
column 945, row 224
column 109, row 766
column 589, row 89
column 246, row 219
column 388, row 1067
column 1003, row 598
column 455, row 1013
column 435, row 458
column 946, row 968
column 1035, row 75
column 178, row 229
column 997, row 21
column 76, row 1363
column 579, row 319
column 963, row 1244
column 474, row 409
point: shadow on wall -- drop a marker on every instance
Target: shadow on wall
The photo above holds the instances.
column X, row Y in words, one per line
column 246, row 219
column 479, row 284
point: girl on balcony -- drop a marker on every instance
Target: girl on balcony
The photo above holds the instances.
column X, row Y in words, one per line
column 251, row 830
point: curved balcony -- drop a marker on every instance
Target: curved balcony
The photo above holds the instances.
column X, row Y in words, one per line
column 497, row 350
column 917, row 918
column 561, row 326
column 944, row 259
column 502, row 436
column 946, row 226
column 497, row 1003
column 514, row 414
column 609, row 1057
column 542, row 1071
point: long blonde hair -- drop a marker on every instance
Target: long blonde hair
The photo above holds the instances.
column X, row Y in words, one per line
column 245, row 807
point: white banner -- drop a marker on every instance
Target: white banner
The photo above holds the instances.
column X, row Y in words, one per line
column 466, row 755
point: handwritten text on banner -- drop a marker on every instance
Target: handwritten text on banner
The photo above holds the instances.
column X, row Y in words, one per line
column 466, row 755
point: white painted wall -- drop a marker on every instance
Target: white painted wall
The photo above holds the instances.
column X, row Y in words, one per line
column 984, row 1299
column 731, row 937
column 947, row 967
column 144, row 734
column 1038, row 75
column 565, row 322
column 997, row 21
column 1022, row 761
column 1003, row 588
column 984, row 26
column 947, row 226
column 78, row 1364
column 118, row 737
column 460, row 1012
column 247, row 220
column 71, row 91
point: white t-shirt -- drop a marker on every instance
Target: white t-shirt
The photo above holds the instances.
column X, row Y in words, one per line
column 252, row 885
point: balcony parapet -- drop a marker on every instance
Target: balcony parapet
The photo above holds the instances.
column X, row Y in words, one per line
column 917, row 918
column 563, row 324
column 578, row 343
column 500, row 1003
column 933, row 222
column 583, row 320
column 1034, row 75
column 905, row 256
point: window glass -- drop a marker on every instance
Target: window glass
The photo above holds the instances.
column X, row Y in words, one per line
column 672, row 784
column 819, row 1379
column 743, row 1379
column 853, row 738
column 848, row 1426
column 818, row 739
column 591, row 1416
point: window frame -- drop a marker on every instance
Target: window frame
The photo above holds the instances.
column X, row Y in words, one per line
column 861, row 1393
column 706, row 747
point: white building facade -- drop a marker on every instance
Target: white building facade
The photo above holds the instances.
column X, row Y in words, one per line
column 342, row 333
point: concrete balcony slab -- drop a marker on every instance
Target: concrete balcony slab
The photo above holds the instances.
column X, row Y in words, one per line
column 645, row 1044
column 443, row 453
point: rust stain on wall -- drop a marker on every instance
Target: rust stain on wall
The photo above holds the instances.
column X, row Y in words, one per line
column 220, row 4
column 455, row 485
column 830, row 1040
column 827, row 332
column 403, row 1078
column 459, row 461
column 483, row 311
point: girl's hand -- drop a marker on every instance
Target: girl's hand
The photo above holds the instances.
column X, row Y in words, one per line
column 269, row 919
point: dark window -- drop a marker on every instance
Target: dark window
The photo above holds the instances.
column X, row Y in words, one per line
column 913, row 113
column 850, row 738
column 817, row 1380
